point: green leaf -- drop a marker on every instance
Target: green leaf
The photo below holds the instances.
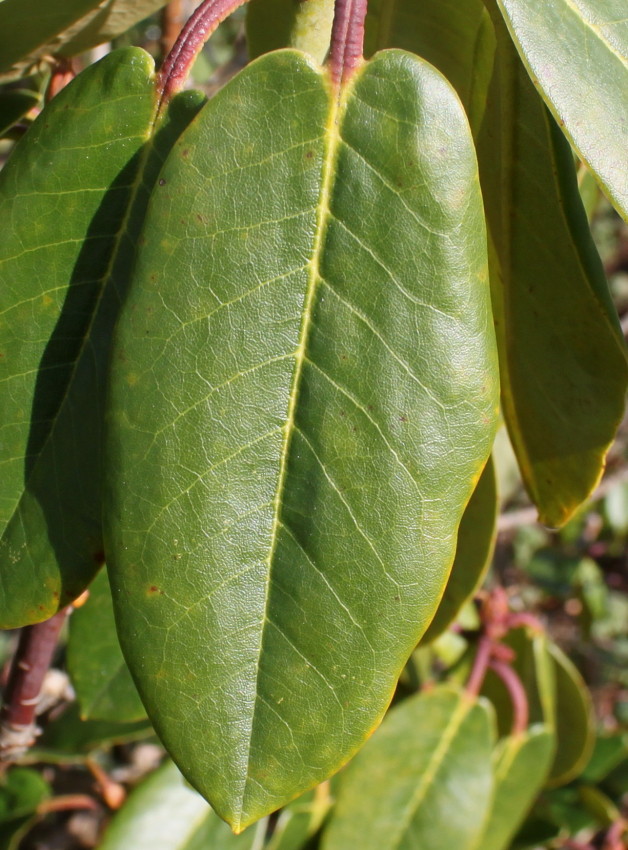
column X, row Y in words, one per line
column 424, row 780
column 70, row 193
column 474, row 550
column 522, row 763
column 70, row 738
column 576, row 51
column 574, row 720
column 301, row 819
column 609, row 751
column 14, row 104
column 21, row 791
column 456, row 36
column 562, row 354
column 271, row 24
column 304, row 394
column 164, row 813
column 101, row 679
column 33, row 29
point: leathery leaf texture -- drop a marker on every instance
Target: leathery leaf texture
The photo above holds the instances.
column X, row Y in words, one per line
column 303, row 396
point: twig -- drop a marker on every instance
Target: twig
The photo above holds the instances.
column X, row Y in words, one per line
column 347, row 39
column 31, row 661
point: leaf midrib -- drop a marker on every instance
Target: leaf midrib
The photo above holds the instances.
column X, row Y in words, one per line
column 332, row 135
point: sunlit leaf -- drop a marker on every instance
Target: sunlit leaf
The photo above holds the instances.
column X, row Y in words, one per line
column 303, row 396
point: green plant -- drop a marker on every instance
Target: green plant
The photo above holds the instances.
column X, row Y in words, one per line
column 249, row 360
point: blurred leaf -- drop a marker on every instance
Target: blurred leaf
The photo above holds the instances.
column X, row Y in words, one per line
column 589, row 190
column 68, row 736
column 14, row 104
column 33, row 29
column 609, row 752
column 522, row 763
column 563, row 380
column 456, row 36
column 101, row 679
column 536, row 832
column 72, row 194
column 423, row 780
column 616, row 508
column 574, row 720
column 164, row 813
column 301, row 819
column 474, row 550
column 21, row 791
column 601, row 807
column 306, row 26
column 281, row 414
column 577, row 53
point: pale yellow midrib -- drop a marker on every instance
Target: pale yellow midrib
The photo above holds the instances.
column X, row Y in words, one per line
column 336, row 105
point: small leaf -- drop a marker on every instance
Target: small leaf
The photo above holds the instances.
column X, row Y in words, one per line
column 609, row 752
column 574, row 720
column 577, row 53
column 474, row 550
column 73, row 214
column 164, row 813
column 101, row 679
column 14, row 104
column 304, row 395
column 21, row 791
column 423, row 780
column 522, row 763
column 69, row 737
column 33, row 29
column 301, row 819
column 563, row 380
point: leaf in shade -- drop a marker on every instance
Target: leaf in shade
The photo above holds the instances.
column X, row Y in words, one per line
column 577, row 53
column 575, row 732
column 563, row 379
column 14, row 104
column 474, row 550
column 521, row 763
column 301, row 819
column 72, row 215
column 304, row 394
column 423, row 780
column 164, row 813
column 456, row 36
column 33, row 29
column 21, row 792
column 272, row 24
column 101, row 679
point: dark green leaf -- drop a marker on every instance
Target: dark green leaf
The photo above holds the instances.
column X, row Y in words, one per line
column 474, row 550
column 577, row 53
column 33, row 29
column 574, row 720
column 303, row 396
column 301, row 819
column 21, row 791
column 271, row 24
column 14, row 104
column 423, row 781
column 70, row 194
column 562, row 354
column 164, row 813
column 522, row 763
column 101, row 679
column 609, row 752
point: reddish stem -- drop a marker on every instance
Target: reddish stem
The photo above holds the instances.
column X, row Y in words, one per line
column 67, row 803
column 347, row 39
column 31, row 662
column 62, row 73
column 517, row 693
column 480, row 665
column 201, row 24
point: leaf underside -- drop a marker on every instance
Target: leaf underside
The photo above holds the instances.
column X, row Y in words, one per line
column 303, row 397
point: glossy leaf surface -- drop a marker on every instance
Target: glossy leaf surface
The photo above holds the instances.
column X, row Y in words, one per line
column 522, row 763
column 474, row 549
column 562, row 355
column 575, row 731
column 32, row 29
column 99, row 674
column 577, row 53
column 65, row 253
column 303, row 397
column 423, row 781
column 164, row 813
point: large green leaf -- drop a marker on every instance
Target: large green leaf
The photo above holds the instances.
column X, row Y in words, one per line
column 456, row 36
column 69, row 200
column 101, row 679
column 303, row 397
column 164, row 813
column 577, row 54
column 33, row 29
column 562, row 354
column 423, row 781
column 522, row 763
column 474, row 549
